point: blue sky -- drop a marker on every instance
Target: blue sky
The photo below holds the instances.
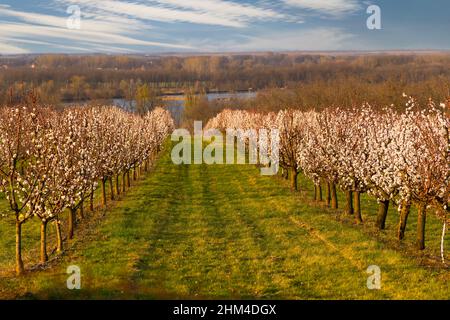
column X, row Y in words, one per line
column 149, row 26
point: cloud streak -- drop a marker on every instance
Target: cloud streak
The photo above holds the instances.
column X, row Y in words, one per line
column 6, row 48
column 330, row 7
column 162, row 25
column 203, row 12
column 314, row 39
column 117, row 25
column 92, row 38
column 98, row 34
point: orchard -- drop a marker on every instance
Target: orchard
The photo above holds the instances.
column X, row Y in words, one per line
column 400, row 158
column 53, row 162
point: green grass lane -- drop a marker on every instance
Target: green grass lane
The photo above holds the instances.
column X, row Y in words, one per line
column 225, row 231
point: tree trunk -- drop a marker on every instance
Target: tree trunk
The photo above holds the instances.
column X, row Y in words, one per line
column 44, row 255
column 404, row 213
column 117, row 185
column 421, row 221
column 444, row 229
column 59, row 240
column 128, row 179
column 82, row 209
column 334, row 198
column 146, row 165
column 294, row 175
column 357, row 206
column 383, row 207
column 111, row 188
column 71, row 222
column 328, row 194
column 349, row 206
column 91, row 200
column 104, row 192
column 19, row 262
column 124, row 179
column 134, row 174
column 318, row 192
column 285, row 173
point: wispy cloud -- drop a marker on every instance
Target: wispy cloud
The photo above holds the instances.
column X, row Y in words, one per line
column 314, row 39
column 91, row 38
column 6, row 48
column 97, row 25
column 98, row 34
column 330, row 7
column 118, row 25
column 162, row 25
column 232, row 10
column 209, row 12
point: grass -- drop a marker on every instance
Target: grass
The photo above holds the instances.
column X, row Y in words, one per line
column 225, row 231
column 31, row 234
column 369, row 212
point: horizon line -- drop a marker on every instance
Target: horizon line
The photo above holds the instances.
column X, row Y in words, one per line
column 255, row 52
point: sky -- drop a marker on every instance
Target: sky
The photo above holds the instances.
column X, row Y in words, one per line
column 158, row 26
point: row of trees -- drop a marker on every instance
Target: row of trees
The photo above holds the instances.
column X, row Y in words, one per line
column 322, row 77
column 398, row 157
column 138, row 96
column 52, row 161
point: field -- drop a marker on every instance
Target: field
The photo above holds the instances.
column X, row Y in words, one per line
column 225, row 231
column 190, row 153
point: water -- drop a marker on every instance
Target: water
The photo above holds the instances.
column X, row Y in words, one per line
column 176, row 103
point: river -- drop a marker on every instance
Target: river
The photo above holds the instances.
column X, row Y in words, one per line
column 176, row 103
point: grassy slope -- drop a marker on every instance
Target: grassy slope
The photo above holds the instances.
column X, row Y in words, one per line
column 227, row 232
column 30, row 238
column 7, row 240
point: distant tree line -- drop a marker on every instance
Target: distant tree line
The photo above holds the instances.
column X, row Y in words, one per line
column 94, row 77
